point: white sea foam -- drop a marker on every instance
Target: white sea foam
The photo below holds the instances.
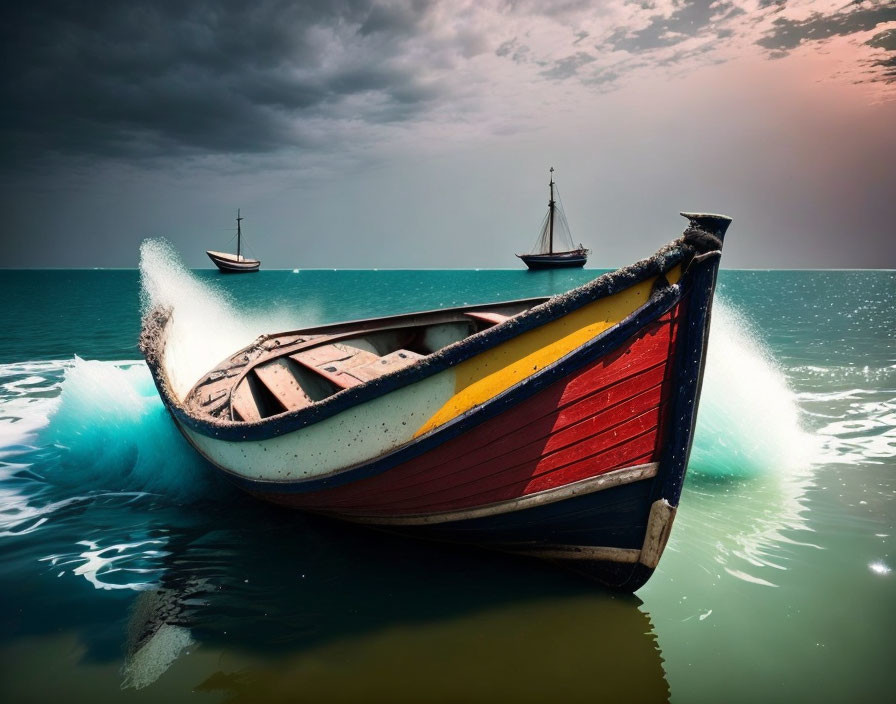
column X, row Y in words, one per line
column 28, row 396
column 751, row 462
column 91, row 427
column 126, row 561
column 749, row 419
column 205, row 327
column 154, row 658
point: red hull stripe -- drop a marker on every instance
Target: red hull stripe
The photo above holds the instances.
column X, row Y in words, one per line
column 602, row 417
column 534, row 464
column 545, row 434
column 550, row 451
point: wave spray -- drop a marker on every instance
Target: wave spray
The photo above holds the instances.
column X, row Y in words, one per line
column 205, row 324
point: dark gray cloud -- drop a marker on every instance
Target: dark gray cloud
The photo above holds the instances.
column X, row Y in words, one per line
column 787, row 34
column 884, row 40
column 568, row 66
column 689, row 20
column 512, row 49
column 158, row 78
column 885, row 67
column 606, row 78
column 398, row 19
column 550, row 8
column 150, row 77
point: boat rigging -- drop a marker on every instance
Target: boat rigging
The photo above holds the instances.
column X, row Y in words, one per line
column 543, row 255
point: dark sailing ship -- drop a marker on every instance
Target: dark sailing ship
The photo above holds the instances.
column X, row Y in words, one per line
column 234, row 263
column 544, row 256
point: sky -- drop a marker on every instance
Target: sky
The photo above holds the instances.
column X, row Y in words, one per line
column 419, row 133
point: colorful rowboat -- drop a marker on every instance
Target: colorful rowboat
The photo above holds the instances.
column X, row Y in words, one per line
column 553, row 427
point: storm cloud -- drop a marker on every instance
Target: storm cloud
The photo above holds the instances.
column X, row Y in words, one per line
column 787, row 34
column 146, row 78
column 163, row 79
column 688, row 19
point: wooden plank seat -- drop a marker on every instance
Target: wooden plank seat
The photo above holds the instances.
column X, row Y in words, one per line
column 334, row 362
column 293, row 381
column 386, row 364
column 485, row 316
column 244, row 402
column 283, row 384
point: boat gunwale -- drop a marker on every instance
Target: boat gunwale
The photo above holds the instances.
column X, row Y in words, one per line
column 348, row 325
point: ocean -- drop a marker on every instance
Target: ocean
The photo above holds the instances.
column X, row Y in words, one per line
column 130, row 571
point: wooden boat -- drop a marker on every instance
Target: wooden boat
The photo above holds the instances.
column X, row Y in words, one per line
column 554, row 225
column 234, row 263
column 553, row 427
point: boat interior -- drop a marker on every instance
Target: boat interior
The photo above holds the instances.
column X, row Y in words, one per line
column 290, row 371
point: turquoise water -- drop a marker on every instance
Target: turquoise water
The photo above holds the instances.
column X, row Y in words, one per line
column 131, row 571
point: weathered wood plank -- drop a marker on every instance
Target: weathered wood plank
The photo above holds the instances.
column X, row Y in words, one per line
column 334, row 362
column 385, row 365
column 322, row 354
column 659, row 526
column 244, row 403
column 282, row 383
column 486, row 317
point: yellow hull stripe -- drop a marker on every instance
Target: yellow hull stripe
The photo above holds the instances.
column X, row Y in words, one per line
column 488, row 374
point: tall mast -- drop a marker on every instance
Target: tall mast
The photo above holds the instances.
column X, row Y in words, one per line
column 238, row 233
column 551, row 207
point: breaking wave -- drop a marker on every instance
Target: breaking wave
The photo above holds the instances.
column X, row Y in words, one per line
column 205, row 324
column 749, row 423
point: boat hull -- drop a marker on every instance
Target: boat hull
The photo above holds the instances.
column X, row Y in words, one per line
column 578, row 459
column 566, row 474
column 557, row 260
column 231, row 264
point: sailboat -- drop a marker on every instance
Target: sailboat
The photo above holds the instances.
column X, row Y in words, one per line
column 234, row 263
column 544, row 256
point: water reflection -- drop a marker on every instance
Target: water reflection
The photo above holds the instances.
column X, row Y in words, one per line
column 173, row 580
column 289, row 604
column 743, row 527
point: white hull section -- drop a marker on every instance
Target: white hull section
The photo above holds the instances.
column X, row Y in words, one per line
column 358, row 434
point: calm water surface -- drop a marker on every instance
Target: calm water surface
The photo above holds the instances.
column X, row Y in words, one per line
column 130, row 571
